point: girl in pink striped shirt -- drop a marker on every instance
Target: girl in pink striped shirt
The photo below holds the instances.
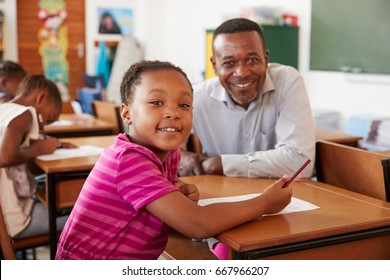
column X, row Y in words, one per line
column 132, row 196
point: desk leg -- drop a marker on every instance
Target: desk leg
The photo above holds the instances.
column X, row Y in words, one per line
column 52, row 214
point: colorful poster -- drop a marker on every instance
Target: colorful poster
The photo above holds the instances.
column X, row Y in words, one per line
column 53, row 39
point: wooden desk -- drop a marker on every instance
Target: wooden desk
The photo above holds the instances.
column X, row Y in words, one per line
column 385, row 153
column 82, row 125
column 337, row 137
column 64, row 179
column 347, row 225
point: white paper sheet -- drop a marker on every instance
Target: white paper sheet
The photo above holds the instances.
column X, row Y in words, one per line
column 62, row 123
column 296, row 205
column 81, row 151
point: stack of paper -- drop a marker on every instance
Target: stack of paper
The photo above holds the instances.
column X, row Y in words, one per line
column 374, row 131
column 364, row 126
column 383, row 134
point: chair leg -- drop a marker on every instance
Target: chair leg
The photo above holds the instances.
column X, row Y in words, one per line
column 24, row 254
column 34, row 253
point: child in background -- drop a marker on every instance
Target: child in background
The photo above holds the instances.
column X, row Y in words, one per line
column 19, row 143
column 11, row 74
column 132, row 196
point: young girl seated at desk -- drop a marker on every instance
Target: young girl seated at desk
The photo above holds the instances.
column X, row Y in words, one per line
column 132, row 196
column 20, row 143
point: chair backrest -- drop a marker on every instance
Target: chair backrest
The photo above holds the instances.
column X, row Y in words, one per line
column 5, row 240
column 9, row 246
column 86, row 97
column 354, row 169
column 92, row 81
column 109, row 112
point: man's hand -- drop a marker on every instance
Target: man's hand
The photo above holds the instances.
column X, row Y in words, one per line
column 212, row 165
column 189, row 190
column 190, row 164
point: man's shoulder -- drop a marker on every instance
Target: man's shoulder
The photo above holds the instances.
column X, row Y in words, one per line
column 277, row 69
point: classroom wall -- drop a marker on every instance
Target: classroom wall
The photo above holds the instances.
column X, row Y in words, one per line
column 174, row 30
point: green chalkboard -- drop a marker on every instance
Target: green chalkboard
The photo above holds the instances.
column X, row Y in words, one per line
column 282, row 43
column 350, row 35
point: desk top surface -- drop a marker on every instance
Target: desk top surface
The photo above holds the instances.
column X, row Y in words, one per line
column 336, row 136
column 76, row 164
column 77, row 123
column 340, row 212
column 385, row 153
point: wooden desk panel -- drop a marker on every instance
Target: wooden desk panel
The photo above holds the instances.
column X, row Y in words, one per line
column 373, row 248
column 344, row 219
column 66, row 193
column 82, row 126
column 352, row 168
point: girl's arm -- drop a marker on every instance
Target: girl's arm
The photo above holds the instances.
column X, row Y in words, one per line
column 10, row 150
column 197, row 221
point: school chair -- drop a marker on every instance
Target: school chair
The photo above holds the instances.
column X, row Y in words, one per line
column 9, row 246
column 7, row 249
column 93, row 81
column 86, row 96
column 353, row 169
column 109, row 112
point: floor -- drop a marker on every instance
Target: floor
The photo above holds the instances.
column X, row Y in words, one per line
column 41, row 253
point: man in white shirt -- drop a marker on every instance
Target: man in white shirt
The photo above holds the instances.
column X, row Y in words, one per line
column 254, row 119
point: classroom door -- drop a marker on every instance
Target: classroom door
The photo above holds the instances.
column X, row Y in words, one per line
column 30, row 39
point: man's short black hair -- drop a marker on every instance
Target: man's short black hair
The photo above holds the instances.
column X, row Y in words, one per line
column 236, row 25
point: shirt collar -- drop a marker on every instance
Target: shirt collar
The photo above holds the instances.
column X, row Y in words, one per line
column 268, row 84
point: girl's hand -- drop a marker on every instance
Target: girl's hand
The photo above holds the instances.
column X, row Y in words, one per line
column 276, row 197
column 189, row 190
column 48, row 145
column 66, row 145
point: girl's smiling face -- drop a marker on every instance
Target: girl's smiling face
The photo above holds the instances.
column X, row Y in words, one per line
column 160, row 111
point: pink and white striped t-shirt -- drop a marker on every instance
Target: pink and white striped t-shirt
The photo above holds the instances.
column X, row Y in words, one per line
column 109, row 220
